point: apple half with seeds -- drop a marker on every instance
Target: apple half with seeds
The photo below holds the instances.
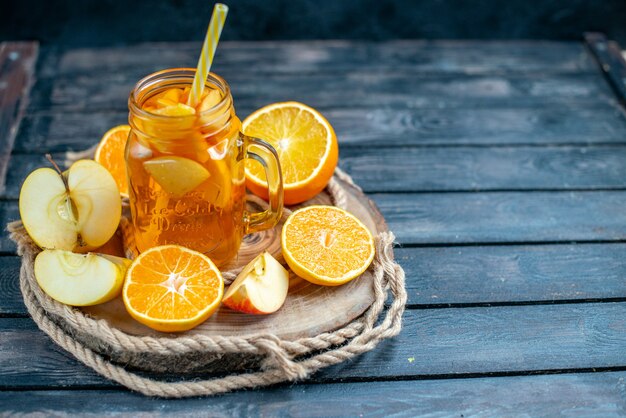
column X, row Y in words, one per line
column 78, row 210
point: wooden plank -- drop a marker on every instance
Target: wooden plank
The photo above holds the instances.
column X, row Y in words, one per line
column 513, row 273
column 469, row 275
column 498, row 339
column 434, row 342
column 589, row 394
column 549, row 124
column 544, row 124
column 504, row 217
column 474, row 218
column 404, row 169
column 466, row 57
column 610, row 60
column 17, row 62
column 358, row 88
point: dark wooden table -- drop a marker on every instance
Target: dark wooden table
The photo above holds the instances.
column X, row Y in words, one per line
column 501, row 167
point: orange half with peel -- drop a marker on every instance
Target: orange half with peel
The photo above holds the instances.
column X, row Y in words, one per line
column 306, row 145
column 172, row 288
column 326, row 245
column 110, row 154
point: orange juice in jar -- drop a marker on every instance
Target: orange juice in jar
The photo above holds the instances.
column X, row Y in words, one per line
column 186, row 167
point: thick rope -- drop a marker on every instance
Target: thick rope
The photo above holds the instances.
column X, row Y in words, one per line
column 280, row 356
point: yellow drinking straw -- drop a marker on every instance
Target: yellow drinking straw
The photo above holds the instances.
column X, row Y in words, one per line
column 208, row 51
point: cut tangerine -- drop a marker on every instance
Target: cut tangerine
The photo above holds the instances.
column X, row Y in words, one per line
column 110, row 153
column 326, row 245
column 172, row 288
column 306, row 145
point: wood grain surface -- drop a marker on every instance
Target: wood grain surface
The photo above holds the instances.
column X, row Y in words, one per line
column 498, row 165
column 588, row 394
column 17, row 64
column 356, row 89
column 327, row 56
column 510, row 274
column 478, row 169
column 569, row 123
column 505, row 217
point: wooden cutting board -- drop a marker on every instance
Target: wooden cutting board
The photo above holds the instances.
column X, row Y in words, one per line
column 309, row 309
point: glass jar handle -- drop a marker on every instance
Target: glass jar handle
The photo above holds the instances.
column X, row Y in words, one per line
column 265, row 154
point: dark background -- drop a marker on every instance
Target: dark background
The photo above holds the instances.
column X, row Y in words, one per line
column 108, row 22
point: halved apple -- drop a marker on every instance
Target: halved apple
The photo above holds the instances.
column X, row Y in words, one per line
column 80, row 279
column 78, row 210
column 260, row 288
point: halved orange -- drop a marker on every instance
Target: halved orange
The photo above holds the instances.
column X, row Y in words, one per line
column 306, row 145
column 110, row 153
column 326, row 245
column 172, row 288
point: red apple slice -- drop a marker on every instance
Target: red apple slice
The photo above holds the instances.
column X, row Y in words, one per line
column 261, row 287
